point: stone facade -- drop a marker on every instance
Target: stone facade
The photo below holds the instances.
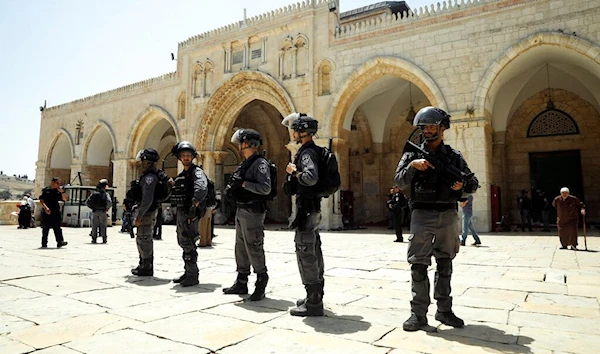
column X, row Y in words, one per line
column 487, row 62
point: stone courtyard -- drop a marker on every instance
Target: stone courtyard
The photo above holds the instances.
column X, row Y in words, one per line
column 518, row 293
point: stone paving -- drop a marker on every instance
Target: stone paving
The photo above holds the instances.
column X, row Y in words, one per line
column 518, row 293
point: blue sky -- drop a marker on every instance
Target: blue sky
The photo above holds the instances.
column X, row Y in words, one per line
column 63, row 50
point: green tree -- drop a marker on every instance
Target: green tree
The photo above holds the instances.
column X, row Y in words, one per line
column 4, row 195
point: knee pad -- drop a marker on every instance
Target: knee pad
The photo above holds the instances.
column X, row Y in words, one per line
column 190, row 256
column 444, row 267
column 418, row 272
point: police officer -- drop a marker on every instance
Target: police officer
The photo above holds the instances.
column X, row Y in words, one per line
column 99, row 202
column 51, row 218
column 434, row 222
column 188, row 194
column 146, row 212
column 396, row 204
column 304, row 175
column 249, row 186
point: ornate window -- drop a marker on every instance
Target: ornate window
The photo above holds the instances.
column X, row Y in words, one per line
column 324, row 79
column 181, row 106
column 198, row 83
column 552, row 122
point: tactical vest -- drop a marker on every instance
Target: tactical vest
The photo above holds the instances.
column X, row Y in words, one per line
column 242, row 195
column 429, row 188
column 183, row 190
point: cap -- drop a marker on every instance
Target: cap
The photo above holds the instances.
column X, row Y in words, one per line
column 565, row 189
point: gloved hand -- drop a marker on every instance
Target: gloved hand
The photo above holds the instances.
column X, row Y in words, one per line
column 236, row 182
column 192, row 212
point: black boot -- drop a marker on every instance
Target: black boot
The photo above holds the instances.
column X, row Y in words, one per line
column 180, row 279
column 449, row 319
column 190, row 280
column 259, row 290
column 135, row 270
column 303, row 301
column 147, row 268
column 313, row 305
column 414, row 323
column 240, row 287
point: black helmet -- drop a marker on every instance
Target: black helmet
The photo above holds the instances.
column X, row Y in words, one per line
column 147, row 154
column 182, row 146
column 250, row 136
column 431, row 115
column 301, row 123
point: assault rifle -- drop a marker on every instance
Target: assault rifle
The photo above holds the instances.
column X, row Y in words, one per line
column 448, row 171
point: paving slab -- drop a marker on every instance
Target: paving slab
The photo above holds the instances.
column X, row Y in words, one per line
column 563, row 341
column 202, row 329
column 49, row 309
column 9, row 346
column 50, row 334
column 10, row 323
column 554, row 322
column 136, row 343
column 10, row 293
column 58, row 284
column 292, row 342
column 115, row 298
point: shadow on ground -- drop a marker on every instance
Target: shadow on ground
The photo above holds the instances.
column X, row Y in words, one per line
column 482, row 336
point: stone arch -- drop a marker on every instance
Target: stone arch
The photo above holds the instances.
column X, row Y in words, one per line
column 99, row 124
column 228, row 100
column 556, row 39
column 371, row 71
column 57, row 135
column 143, row 124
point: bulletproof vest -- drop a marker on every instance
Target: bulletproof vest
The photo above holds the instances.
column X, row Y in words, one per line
column 306, row 191
column 183, row 190
column 242, row 195
column 430, row 187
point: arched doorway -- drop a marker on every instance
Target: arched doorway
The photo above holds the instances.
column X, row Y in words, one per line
column 370, row 114
column 60, row 157
column 98, row 155
column 247, row 100
column 544, row 106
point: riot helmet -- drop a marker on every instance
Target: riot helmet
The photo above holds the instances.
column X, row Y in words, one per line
column 184, row 146
column 147, row 155
column 431, row 116
column 301, row 123
column 250, row 136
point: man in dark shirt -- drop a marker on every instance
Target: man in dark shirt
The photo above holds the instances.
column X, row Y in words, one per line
column 51, row 218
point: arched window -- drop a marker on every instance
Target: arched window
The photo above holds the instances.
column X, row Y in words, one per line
column 552, row 122
column 324, row 79
column 208, row 73
column 198, row 82
column 181, row 106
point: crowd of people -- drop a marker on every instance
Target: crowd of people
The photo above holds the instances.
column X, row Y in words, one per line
column 426, row 196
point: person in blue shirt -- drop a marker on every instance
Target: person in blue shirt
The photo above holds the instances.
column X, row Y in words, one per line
column 467, row 223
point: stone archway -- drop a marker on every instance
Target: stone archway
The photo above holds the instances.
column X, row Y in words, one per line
column 144, row 125
column 98, row 153
column 368, row 73
column 59, row 157
column 375, row 101
column 230, row 98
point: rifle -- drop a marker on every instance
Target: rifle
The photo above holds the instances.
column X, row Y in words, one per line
column 450, row 172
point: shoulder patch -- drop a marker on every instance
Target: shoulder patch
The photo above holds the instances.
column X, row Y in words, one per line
column 306, row 160
column 149, row 179
column 263, row 168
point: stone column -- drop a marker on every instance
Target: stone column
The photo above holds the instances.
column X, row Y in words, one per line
column 76, row 168
column 294, row 62
column 264, row 51
column 219, row 157
column 208, row 163
column 281, row 53
column 474, row 140
column 123, row 174
column 40, row 177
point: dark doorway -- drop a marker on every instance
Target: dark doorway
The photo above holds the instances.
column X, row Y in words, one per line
column 550, row 171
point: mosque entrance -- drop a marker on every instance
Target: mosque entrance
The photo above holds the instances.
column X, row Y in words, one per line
column 550, row 171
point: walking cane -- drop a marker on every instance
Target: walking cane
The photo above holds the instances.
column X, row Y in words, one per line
column 584, row 234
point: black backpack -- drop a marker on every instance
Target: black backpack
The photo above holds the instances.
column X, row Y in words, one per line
column 211, row 195
column 329, row 174
column 97, row 202
column 163, row 188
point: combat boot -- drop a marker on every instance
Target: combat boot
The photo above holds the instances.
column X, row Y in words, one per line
column 260, row 286
column 135, row 270
column 449, row 319
column 240, row 287
column 414, row 323
column 190, row 280
column 180, row 279
column 313, row 305
column 303, row 301
column 146, row 269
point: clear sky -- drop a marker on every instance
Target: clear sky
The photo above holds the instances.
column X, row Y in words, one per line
column 63, row 50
